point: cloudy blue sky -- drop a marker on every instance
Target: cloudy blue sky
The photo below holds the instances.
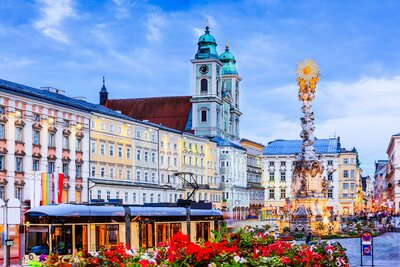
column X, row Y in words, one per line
column 144, row 49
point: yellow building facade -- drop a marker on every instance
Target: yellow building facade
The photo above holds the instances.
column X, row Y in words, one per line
column 349, row 175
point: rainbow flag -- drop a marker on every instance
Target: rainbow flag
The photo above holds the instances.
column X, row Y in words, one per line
column 47, row 188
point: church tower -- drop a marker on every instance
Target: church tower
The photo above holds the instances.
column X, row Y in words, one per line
column 230, row 93
column 206, row 89
column 103, row 94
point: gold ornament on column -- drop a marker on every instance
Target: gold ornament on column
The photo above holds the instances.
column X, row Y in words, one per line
column 307, row 79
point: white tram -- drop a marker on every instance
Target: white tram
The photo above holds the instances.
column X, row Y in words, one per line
column 65, row 228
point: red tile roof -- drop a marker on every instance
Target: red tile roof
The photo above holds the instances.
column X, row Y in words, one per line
column 171, row 111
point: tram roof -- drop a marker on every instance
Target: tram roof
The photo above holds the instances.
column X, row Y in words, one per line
column 70, row 210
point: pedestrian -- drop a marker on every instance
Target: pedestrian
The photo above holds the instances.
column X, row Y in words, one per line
column 308, row 238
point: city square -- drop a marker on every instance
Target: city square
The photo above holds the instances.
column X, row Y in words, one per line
column 180, row 133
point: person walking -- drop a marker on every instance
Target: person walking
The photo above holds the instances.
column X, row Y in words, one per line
column 308, row 238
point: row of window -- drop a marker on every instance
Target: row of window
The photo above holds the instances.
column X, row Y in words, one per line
column 282, row 176
column 65, row 145
column 162, row 161
column 140, row 134
column 272, row 194
column 111, row 173
column 236, row 196
column 111, row 150
column 18, row 192
column 20, row 114
column 169, row 146
column 195, row 146
column 19, row 137
column 283, row 163
column 19, row 166
column 283, row 193
column 198, row 162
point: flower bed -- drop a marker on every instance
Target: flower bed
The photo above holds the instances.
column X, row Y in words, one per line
column 247, row 247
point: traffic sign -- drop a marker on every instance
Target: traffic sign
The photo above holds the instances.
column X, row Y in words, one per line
column 367, row 250
column 366, row 238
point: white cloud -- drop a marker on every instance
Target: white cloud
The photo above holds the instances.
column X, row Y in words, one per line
column 54, row 12
column 122, row 10
column 155, row 22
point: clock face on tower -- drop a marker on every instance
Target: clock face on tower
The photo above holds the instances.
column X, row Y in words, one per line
column 203, row 69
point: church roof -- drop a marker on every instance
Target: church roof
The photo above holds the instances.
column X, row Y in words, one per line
column 171, row 111
column 291, row 147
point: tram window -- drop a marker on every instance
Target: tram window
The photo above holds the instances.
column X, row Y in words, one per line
column 203, row 230
column 81, row 235
column 146, row 234
column 107, row 236
column 37, row 240
column 166, row 230
column 61, row 239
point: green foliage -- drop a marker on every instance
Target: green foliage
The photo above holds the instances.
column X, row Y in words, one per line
column 352, row 233
column 286, row 229
column 299, row 236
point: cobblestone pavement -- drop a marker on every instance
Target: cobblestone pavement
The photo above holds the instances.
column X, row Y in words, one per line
column 386, row 250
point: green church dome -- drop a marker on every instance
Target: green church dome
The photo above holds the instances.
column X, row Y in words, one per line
column 207, row 37
column 229, row 61
column 227, row 56
column 207, row 46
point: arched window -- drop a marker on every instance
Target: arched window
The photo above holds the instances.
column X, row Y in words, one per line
column 203, row 86
column 203, row 115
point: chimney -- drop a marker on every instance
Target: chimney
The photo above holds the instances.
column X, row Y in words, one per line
column 53, row 90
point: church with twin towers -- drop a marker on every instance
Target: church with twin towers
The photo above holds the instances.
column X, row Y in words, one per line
column 211, row 112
